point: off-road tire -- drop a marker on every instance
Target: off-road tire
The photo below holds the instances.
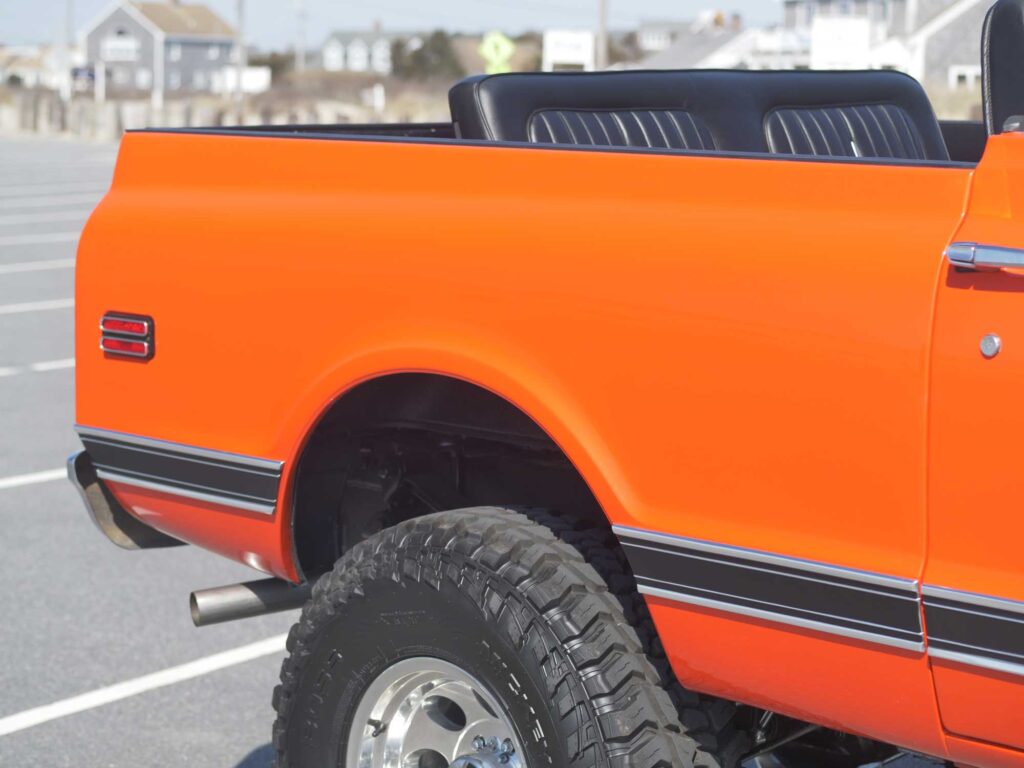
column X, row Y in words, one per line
column 501, row 596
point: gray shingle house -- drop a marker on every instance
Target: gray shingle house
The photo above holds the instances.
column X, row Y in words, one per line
column 937, row 41
column 158, row 48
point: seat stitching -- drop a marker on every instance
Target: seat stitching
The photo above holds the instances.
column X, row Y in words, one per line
column 867, row 131
column 565, row 121
column 838, row 133
column 800, row 118
column 583, row 122
column 906, row 149
column 657, row 122
column 881, row 131
column 679, row 129
column 643, row 131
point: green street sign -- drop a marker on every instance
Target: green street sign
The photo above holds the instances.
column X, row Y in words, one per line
column 497, row 50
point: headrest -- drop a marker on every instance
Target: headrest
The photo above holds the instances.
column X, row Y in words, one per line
column 1002, row 64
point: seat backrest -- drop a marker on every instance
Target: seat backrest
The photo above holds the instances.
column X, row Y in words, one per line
column 1002, row 63
column 833, row 114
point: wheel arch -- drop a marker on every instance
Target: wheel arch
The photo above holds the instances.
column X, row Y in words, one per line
column 491, row 401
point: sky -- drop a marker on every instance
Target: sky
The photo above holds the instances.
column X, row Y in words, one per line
column 272, row 23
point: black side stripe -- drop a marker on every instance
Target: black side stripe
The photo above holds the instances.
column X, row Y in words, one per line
column 974, row 629
column 873, row 607
column 242, row 482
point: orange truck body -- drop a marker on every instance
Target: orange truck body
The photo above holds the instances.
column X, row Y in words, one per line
column 764, row 357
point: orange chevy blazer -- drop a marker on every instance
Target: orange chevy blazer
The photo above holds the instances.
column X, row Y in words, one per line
column 632, row 419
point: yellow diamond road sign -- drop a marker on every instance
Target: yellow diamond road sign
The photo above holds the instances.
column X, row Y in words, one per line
column 497, row 50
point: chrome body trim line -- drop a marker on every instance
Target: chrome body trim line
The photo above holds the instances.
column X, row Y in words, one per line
column 910, row 595
column 971, row 598
column 174, row 490
column 180, row 448
column 836, row 600
column 777, row 618
column 729, row 550
column 973, row 660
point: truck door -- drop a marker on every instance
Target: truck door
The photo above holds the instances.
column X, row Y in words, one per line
column 973, row 584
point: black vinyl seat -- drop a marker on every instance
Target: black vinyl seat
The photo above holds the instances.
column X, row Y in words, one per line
column 1002, row 64
column 826, row 114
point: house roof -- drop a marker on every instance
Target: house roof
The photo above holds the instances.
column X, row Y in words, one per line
column 177, row 19
column 371, row 36
column 689, row 50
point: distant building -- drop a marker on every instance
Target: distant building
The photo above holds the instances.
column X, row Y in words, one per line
column 158, row 48
column 935, row 41
column 364, row 51
column 569, row 50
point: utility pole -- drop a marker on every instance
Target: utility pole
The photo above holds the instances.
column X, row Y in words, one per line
column 300, row 35
column 242, row 62
column 601, row 59
column 67, row 43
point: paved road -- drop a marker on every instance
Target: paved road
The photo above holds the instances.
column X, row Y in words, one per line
column 80, row 615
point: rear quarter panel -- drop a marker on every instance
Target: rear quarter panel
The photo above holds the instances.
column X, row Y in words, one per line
column 729, row 349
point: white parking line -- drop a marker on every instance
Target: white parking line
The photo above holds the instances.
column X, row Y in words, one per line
column 55, row 237
column 52, row 365
column 36, row 306
column 43, row 367
column 49, row 201
column 42, row 265
column 33, row 478
column 193, row 669
column 45, row 218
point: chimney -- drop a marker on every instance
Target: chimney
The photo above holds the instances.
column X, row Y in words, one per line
column 736, row 22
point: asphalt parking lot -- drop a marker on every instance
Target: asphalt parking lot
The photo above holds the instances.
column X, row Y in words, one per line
column 80, row 617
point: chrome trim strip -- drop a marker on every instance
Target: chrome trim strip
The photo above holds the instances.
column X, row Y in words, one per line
column 830, row 629
column 895, row 582
column 791, row 564
column 184, row 457
column 971, row 598
column 189, row 450
column 172, row 490
column 171, row 482
column 977, row 661
column 782, row 607
column 934, row 642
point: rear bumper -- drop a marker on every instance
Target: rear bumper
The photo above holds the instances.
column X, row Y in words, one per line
column 107, row 514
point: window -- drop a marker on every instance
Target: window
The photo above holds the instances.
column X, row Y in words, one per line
column 174, row 52
column 120, row 76
column 174, row 80
column 964, row 77
column 120, row 46
column 143, row 79
column 213, row 52
column 199, row 80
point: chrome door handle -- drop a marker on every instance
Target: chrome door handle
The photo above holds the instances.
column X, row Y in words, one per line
column 982, row 257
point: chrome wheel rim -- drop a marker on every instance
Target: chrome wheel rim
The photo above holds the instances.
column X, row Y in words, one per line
column 428, row 713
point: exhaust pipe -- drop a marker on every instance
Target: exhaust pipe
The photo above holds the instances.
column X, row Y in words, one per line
column 244, row 601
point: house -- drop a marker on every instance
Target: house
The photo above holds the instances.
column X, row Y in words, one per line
column 935, row 41
column 363, row 51
column 158, row 48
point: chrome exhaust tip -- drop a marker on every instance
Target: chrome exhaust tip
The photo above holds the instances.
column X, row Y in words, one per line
column 246, row 600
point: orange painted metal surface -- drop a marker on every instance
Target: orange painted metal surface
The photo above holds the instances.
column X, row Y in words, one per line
column 976, row 503
column 734, row 350
column 844, row 684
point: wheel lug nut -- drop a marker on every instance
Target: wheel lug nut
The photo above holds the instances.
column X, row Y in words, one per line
column 479, row 743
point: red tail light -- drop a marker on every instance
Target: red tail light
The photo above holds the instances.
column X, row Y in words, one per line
column 123, row 335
